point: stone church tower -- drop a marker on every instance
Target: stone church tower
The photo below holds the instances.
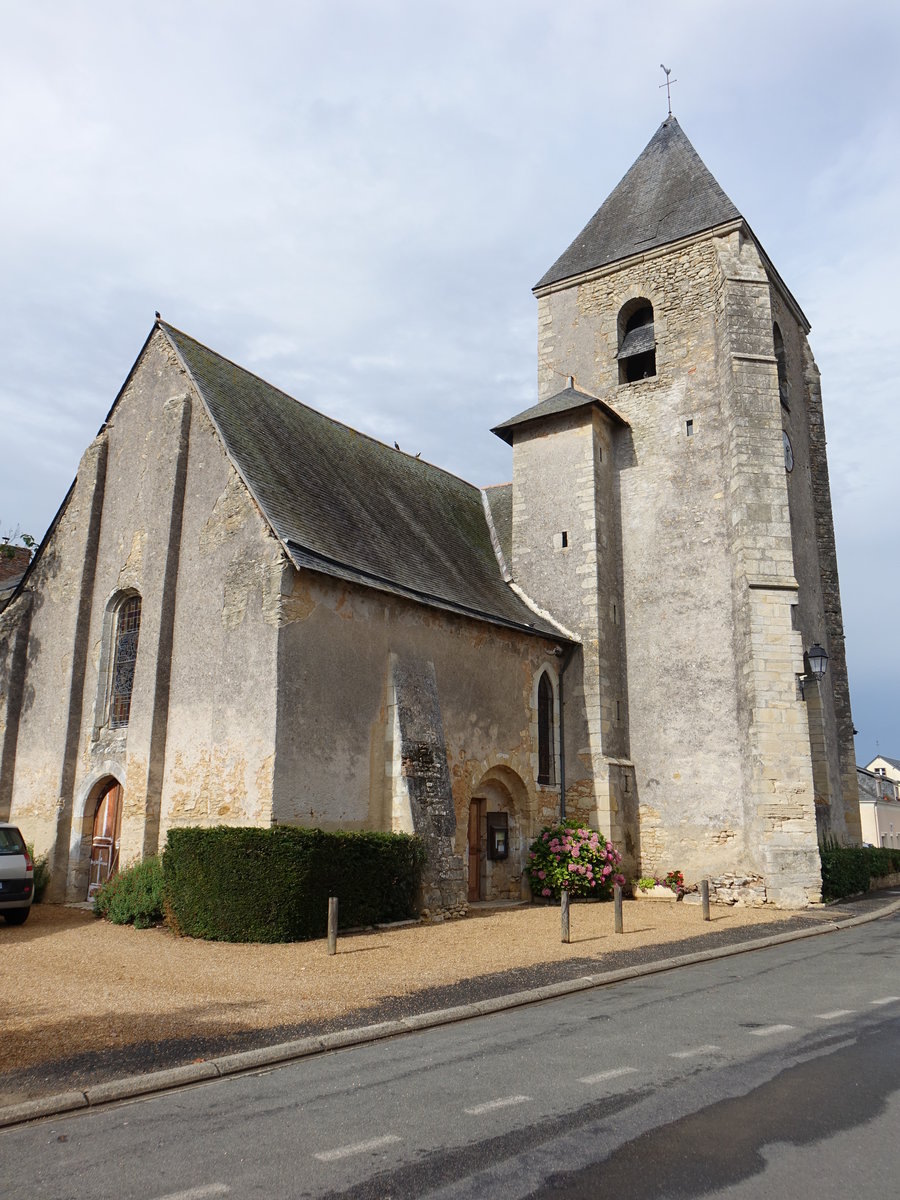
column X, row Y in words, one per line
column 671, row 507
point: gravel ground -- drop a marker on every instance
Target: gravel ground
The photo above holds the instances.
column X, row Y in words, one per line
column 84, row 1001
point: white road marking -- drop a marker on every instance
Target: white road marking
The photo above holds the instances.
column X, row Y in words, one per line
column 694, row 1052
column 832, row 1016
column 604, row 1075
column 198, row 1193
column 357, row 1148
column 885, row 1000
column 770, row 1029
column 503, row 1102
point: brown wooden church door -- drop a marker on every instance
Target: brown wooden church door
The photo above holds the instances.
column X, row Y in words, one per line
column 476, row 823
column 105, row 837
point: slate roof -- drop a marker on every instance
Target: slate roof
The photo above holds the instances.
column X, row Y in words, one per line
column 894, row 762
column 667, row 194
column 568, row 400
column 347, row 505
column 499, row 498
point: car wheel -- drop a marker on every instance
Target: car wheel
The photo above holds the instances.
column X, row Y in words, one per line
column 17, row 916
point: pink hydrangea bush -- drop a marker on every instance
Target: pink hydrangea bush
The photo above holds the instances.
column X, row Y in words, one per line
column 572, row 858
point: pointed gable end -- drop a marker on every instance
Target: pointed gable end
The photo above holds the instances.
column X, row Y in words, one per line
column 668, row 194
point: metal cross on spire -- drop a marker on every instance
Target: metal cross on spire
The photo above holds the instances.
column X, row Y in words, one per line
column 667, row 85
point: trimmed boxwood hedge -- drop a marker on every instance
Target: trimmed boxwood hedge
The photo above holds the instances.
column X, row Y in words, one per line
column 848, row 869
column 272, row 885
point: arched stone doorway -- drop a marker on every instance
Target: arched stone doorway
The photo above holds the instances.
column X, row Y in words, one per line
column 106, row 832
column 498, row 837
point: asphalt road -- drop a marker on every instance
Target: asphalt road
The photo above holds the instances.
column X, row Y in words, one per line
column 775, row 1073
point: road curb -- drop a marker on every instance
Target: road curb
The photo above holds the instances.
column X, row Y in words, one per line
column 271, row 1056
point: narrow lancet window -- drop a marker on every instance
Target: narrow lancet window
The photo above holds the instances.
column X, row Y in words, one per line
column 546, row 755
column 128, row 628
column 781, row 361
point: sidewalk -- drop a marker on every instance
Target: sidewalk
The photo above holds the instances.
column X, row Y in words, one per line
column 92, row 1011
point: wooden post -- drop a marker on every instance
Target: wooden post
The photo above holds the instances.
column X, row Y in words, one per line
column 564, row 914
column 332, row 924
column 617, row 901
column 704, row 898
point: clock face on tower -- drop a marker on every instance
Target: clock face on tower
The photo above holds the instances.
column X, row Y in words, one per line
column 788, row 451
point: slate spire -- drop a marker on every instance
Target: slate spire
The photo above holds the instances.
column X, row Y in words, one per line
column 667, row 194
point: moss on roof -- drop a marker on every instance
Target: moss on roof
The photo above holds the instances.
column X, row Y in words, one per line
column 350, row 506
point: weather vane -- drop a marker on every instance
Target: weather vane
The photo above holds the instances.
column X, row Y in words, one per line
column 667, row 85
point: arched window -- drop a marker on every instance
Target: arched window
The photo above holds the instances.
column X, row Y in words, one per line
column 125, row 644
column 546, row 755
column 781, row 361
column 637, row 342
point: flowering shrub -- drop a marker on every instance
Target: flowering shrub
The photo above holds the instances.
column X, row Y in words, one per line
column 674, row 881
column 571, row 858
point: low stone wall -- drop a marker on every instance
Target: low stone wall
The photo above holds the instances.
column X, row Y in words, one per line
column 435, row 915
column 884, row 881
column 748, row 891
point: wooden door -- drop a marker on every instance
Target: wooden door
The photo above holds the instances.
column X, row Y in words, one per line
column 105, row 837
column 476, row 826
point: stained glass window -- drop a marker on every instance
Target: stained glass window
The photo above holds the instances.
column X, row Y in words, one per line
column 128, row 628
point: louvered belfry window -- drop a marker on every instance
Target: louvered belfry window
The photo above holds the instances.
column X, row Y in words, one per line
column 637, row 342
column 128, row 628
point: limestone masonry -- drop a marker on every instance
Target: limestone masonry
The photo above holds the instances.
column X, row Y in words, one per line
column 247, row 613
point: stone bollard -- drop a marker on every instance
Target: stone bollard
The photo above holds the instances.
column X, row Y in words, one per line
column 332, row 924
column 704, row 898
column 564, row 915
column 617, row 902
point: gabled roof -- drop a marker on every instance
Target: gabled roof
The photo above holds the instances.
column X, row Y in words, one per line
column 667, row 194
column 892, row 762
column 349, row 506
column 568, row 400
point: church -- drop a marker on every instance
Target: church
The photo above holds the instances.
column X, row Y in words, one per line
column 245, row 612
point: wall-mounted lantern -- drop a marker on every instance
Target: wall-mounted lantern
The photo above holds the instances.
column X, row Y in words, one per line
column 816, row 662
column 497, row 835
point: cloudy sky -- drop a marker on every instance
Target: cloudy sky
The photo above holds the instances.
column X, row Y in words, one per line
column 353, row 198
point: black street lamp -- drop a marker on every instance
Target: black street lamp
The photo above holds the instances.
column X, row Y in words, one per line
column 816, row 662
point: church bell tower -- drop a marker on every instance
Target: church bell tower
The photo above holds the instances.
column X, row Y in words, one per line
column 671, row 507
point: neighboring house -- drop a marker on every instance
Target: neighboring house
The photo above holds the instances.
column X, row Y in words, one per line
column 887, row 768
column 13, row 563
column 245, row 612
column 879, row 807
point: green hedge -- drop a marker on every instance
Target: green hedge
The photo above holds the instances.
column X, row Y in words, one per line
column 272, row 885
column 848, row 869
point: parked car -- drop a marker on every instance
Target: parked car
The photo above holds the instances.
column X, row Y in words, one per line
column 16, row 875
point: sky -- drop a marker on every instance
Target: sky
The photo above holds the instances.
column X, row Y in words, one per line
column 354, row 199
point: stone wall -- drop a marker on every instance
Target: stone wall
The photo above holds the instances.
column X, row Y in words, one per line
column 392, row 715
column 719, row 737
column 676, row 606
column 152, row 512
column 566, row 554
